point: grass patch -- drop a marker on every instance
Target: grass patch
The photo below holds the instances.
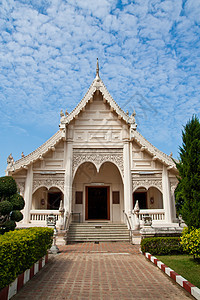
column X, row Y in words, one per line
column 184, row 265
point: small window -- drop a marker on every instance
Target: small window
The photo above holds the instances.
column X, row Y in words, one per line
column 79, row 198
column 116, row 198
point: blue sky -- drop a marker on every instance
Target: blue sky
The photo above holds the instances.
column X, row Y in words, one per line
column 149, row 54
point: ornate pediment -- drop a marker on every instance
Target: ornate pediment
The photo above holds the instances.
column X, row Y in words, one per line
column 146, row 183
column 98, row 157
column 48, row 181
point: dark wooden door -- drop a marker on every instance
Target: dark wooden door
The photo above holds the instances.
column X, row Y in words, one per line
column 97, row 203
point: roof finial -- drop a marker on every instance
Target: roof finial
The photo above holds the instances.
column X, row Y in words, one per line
column 97, row 69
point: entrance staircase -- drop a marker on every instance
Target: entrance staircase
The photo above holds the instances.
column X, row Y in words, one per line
column 97, row 232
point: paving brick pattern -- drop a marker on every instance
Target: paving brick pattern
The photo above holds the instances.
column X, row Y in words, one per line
column 100, row 271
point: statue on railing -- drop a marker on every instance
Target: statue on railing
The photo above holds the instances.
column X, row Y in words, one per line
column 136, row 211
column 61, row 215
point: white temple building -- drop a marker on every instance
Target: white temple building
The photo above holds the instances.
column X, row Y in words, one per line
column 98, row 164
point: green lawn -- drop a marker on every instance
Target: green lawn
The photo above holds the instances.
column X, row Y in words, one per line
column 184, row 265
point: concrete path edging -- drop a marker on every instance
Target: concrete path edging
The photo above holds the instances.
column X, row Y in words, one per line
column 12, row 289
column 192, row 289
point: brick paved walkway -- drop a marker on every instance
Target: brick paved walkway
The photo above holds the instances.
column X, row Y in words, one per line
column 100, row 271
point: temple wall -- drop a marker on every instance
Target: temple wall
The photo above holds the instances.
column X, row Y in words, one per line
column 52, row 160
column 142, row 160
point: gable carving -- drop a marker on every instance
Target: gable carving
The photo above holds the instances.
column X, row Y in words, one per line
column 48, row 181
column 98, row 159
column 146, row 183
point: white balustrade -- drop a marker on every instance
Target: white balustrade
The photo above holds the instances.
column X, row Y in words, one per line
column 157, row 215
column 40, row 215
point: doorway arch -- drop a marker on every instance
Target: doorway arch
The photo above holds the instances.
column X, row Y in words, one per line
column 98, row 185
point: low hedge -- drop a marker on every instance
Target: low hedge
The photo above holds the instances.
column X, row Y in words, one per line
column 20, row 249
column 162, row 245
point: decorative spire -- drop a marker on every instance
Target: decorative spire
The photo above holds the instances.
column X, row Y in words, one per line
column 10, row 160
column 133, row 122
column 97, row 69
column 61, row 113
column 133, row 115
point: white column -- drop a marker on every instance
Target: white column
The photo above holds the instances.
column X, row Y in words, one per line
column 28, row 194
column 173, row 186
column 127, row 179
column 166, row 195
column 68, row 177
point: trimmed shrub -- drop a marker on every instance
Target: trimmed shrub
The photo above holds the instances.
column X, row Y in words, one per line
column 8, row 186
column 7, row 226
column 20, row 249
column 5, row 207
column 17, row 202
column 190, row 241
column 10, row 204
column 162, row 245
column 16, row 215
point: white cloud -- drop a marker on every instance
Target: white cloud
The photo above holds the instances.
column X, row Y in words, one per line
column 192, row 10
column 48, row 53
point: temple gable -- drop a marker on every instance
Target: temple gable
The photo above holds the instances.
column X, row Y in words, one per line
column 97, row 125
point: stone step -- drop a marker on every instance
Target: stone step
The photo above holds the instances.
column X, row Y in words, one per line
column 91, row 232
column 98, row 234
column 96, row 230
column 99, row 227
column 97, row 224
column 97, row 240
column 70, row 234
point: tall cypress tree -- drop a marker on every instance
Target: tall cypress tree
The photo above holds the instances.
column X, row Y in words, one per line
column 188, row 190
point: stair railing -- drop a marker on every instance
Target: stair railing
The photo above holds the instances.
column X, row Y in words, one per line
column 67, row 221
column 67, row 224
column 130, row 229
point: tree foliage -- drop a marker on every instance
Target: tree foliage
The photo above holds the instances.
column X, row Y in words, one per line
column 8, row 186
column 10, row 204
column 188, row 190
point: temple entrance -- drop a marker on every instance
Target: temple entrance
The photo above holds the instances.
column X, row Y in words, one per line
column 97, row 203
column 98, row 195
